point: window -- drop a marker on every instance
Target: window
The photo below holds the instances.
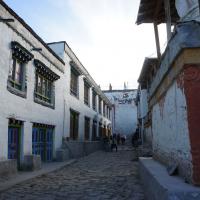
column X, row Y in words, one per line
column 104, row 109
column 74, row 123
column 74, row 84
column 44, row 85
column 100, row 105
column 87, row 128
column 94, row 100
column 43, row 89
column 75, row 73
column 94, row 130
column 17, row 72
column 86, row 93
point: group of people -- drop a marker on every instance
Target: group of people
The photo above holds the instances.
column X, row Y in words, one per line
column 117, row 139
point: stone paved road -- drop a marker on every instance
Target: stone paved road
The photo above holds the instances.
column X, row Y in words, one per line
column 99, row 176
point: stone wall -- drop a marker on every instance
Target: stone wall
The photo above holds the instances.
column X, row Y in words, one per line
column 80, row 149
column 8, row 167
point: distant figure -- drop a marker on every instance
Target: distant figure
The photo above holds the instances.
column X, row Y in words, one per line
column 118, row 138
column 123, row 139
column 135, row 138
column 114, row 142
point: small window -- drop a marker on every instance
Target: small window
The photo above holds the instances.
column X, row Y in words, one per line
column 86, row 93
column 74, row 84
column 104, row 109
column 94, row 130
column 94, row 94
column 74, row 123
column 100, row 105
column 87, row 128
column 16, row 74
column 75, row 73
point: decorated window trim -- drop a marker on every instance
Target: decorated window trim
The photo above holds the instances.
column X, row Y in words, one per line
column 45, row 95
column 20, row 57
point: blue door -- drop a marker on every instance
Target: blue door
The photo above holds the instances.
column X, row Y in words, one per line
column 13, row 142
column 42, row 143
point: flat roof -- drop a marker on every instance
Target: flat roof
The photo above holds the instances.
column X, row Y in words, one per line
column 153, row 11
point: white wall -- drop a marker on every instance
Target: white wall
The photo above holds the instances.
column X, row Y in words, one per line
column 125, row 119
column 170, row 128
column 25, row 109
column 78, row 104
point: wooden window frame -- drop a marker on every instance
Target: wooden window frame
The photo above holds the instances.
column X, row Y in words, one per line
column 87, row 129
column 94, row 103
column 74, row 83
column 44, row 93
column 100, row 100
column 74, row 125
column 20, row 57
column 86, row 94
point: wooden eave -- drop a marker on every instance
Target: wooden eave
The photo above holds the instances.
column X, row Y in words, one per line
column 153, row 11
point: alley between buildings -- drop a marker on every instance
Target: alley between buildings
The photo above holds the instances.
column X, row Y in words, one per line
column 101, row 175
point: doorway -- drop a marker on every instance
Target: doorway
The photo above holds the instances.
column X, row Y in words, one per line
column 42, row 142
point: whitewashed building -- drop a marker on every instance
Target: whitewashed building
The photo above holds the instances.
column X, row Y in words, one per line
column 46, row 97
column 168, row 96
column 124, row 110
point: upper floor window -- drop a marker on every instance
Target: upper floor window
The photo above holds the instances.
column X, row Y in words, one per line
column 44, row 84
column 94, row 94
column 86, row 93
column 74, row 79
column 104, row 109
column 100, row 105
column 17, row 72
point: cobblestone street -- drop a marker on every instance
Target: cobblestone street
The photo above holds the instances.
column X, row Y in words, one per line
column 101, row 175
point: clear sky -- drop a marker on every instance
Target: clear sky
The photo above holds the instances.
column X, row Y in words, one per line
column 102, row 33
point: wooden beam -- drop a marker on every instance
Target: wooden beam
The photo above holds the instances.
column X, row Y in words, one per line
column 157, row 40
column 168, row 18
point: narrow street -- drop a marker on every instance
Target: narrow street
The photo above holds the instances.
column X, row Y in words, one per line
column 101, row 175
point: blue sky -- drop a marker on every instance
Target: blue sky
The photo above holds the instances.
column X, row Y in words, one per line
column 102, row 33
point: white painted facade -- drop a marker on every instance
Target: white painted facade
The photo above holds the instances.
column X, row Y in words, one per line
column 25, row 109
column 77, row 104
column 124, row 112
column 188, row 9
column 170, row 129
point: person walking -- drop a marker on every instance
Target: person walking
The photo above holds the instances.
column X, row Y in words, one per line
column 114, row 142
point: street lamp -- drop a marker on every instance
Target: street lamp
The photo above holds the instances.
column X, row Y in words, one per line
column 6, row 20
